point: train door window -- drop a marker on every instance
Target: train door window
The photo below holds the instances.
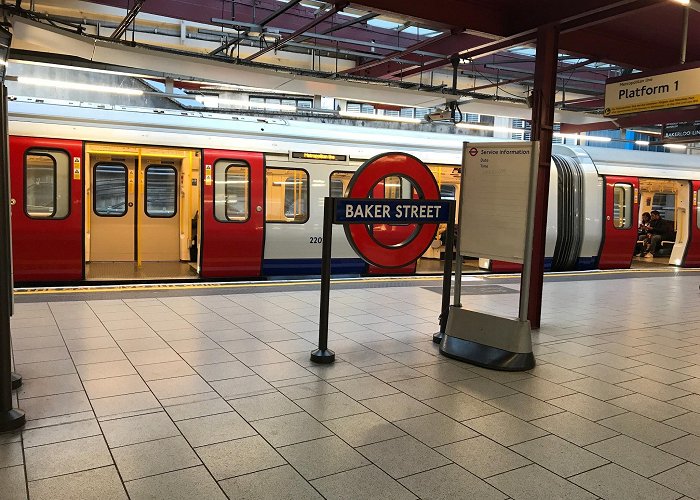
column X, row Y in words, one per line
column 622, row 206
column 339, row 182
column 231, row 191
column 287, row 196
column 393, row 187
column 47, row 184
column 448, row 192
column 110, row 189
column 161, row 191
column 665, row 204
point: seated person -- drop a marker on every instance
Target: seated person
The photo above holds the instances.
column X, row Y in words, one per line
column 659, row 231
column 642, row 234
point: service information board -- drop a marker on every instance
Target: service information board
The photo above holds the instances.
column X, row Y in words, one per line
column 639, row 92
column 495, row 195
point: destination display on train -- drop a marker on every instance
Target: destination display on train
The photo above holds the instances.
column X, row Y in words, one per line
column 646, row 92
column 390, row 211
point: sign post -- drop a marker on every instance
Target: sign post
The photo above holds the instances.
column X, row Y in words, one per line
column 496, row 222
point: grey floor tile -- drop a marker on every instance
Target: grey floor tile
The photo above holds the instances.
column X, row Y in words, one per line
column 555, row 374
column 261, row 357
column 362, row 429
column 11, row 454
column 153, row 356
column 264, row 406
column 209, row 404
column 534, row 482
column 642, row 429
column 116, row 386
column 483, row 388
column 241, row 387
column 221, row 371
column 559, row 456
column 656, row 390
column 75, row 456
column 240, row 456
column 279, row 483
column 58, row 404
column 658, row 374
column 362, row 484
column 448, row 483
column 612, row 481
column 690, row 422
column 364, row 387
column 306, row 390
column 649, row 407
column 215, row 429
column 402, row 456
column 47, row 386
column 290, row 429
column 97, row 356
column 435, row 429
column 138, row 429
column 45, row 369
column 61, row 432
column 128, row 403
column 400, row 372
column 178, row 386
column 524, row 407
column 327, row 406
column 95, row 484
column 606, row 373
column 597, row 388
column 505, row 429
column 14, row 485
column 108, row 369
column 170, row 369
column 635, row 455
column 685, row 479
column 690, row 402
column 424, row 388
column 587, row 407
column 208, row 357
column 183, row 484
column 154, row 457
column 321, row 457
column 281, row 371
column 687, row 447
column 483, row 457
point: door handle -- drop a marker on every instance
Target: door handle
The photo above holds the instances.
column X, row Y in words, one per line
column 608, row 217
column 131, row 204
column 258, row 208
column 13, row 202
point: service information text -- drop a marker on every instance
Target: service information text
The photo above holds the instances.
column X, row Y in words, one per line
column 390, row 211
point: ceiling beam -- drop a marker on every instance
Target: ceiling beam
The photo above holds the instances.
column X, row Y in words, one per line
column 128, row 19
column 272, row 15
column 280, row 43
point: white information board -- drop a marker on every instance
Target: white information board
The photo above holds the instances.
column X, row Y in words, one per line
column 495, row 199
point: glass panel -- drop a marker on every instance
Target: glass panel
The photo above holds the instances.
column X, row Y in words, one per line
column 339, row 184
column 231, row 191
column 448, row 192
column 665, row 204
column 622, row 206
column 40, row 187
column 161, row 191
column 287, row 196
column 392, row 187
column 110, row 189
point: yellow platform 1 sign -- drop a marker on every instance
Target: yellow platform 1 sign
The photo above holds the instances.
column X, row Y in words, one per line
column 639, row 92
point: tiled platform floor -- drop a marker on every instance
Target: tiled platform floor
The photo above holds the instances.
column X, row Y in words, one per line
column 213, row 396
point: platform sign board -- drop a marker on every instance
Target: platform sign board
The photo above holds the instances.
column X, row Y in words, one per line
column 495, row 196
column 390, row 211
column 682, row 131
column 641, row 92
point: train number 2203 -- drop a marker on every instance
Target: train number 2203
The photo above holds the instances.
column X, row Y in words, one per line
column 316, row 239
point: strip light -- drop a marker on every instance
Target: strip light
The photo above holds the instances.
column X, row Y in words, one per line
column 383, row 118
column 676, row 146
column 577, row 137
column 236, row 103
column 642, row 143
column 491, row 128
column 41, row 82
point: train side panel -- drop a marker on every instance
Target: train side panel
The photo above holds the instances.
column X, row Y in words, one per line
column 47, row 209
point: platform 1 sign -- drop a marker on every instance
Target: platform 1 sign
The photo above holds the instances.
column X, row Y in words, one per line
column 389, row 211
column 641, row 92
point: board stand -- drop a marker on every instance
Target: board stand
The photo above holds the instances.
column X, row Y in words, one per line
column 323, row 355
column 16, row 380
column 446, row 277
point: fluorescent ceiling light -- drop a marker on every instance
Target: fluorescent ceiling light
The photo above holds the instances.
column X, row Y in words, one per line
column 491, row 128
column 287, row 183
column 384, row 118
column 210, row 100
column 647, row 132
column 683, row 2
column 675, row 146
column 41, row 82
column 641, row 143
column 589, row 138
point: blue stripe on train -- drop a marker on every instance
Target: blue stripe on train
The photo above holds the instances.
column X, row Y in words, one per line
column 302, row 267
column 583, row 264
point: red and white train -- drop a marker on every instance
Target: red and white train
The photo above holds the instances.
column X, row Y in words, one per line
column 109, row 192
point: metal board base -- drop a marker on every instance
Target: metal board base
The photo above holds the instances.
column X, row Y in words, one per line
column 486, row 356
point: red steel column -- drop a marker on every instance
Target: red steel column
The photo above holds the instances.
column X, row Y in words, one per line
column 542, row 128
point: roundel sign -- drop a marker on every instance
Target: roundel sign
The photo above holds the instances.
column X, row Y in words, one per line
column 363, row 184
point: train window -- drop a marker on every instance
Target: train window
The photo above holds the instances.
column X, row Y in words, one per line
column 339, row 182
column 448, row 192
column 109, row 192
column 665, row 204
column 231, row 191
column 160, row 193
column 622, row 206
column 46, row 184
column 287, row 195
column 393, row 187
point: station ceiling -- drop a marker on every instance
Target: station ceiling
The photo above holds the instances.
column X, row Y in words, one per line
column 491, row 41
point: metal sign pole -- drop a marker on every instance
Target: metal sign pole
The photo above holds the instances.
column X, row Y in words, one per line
column 457, row 299
column 10, row 418
column 447, row 275
column 323, row 354
column 529, row 235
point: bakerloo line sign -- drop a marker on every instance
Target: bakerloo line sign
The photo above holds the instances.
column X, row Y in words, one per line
column 358, row 212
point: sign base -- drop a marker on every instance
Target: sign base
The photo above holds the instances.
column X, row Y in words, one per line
column 11, row 420
column 16, row 381
column 323, row 356
column 488, row 341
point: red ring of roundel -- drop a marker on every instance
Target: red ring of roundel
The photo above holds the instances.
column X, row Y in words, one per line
column 362, row 183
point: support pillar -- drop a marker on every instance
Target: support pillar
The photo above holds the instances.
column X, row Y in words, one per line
column 542, row 130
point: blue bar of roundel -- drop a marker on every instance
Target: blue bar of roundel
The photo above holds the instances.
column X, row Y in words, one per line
column 390, row 211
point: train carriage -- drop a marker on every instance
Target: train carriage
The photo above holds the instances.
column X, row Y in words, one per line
column 113, row 193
